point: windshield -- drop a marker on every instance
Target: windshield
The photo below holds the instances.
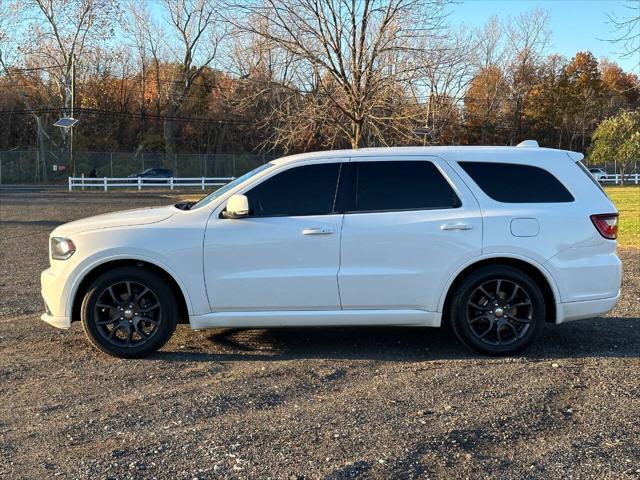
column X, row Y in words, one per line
column 222, row 190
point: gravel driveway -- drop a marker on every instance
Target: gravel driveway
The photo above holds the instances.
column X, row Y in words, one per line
column 295, row 403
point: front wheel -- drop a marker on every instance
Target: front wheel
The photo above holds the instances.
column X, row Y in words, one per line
column 498, row 310
column 129, row 312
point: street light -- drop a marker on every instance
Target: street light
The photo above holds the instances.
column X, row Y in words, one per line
column 67, row 123
column 424, row 131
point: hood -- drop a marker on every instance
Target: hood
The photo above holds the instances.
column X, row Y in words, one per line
column 140, row 216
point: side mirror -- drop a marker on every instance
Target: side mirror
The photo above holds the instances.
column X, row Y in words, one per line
column 237, row 207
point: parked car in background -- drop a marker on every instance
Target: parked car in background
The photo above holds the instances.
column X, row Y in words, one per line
column 494, row 241
column 153, row 174
column 599, row 174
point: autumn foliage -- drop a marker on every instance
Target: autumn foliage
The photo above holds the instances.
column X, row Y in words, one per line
column 197, row 79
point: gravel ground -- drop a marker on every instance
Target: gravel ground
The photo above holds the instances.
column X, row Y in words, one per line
column 296, row 403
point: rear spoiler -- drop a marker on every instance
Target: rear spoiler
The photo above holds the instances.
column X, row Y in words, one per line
column 575, row 156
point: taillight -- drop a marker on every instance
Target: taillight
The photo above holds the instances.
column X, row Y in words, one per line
column 606, row 224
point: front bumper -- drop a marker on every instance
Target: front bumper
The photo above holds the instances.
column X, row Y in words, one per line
column 54, row 284
column 58, row 322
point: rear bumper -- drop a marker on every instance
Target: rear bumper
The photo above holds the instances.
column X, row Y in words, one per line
column 587, row 309
column 587, row 274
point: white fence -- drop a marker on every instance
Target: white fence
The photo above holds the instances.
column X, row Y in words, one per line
column 105, row 183
column 615, row 179
column 172, row 183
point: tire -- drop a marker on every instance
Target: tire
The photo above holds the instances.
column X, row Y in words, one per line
column 498, row 318
column 129, row 312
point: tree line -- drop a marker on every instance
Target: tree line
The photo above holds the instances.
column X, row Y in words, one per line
column 285, row 76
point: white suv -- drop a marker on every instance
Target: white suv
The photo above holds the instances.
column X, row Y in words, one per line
column 495, row 241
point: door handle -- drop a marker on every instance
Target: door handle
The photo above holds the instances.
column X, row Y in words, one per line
column 456, row 226
column 317, row 231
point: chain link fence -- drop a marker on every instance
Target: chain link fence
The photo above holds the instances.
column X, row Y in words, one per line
column 612, row 168
column 24, row 167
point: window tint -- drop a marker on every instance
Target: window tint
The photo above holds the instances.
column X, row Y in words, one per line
column 510, row 183
column 400, row 185
column 307, row 190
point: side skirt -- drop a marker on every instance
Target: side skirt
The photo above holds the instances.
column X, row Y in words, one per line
column 330, row 318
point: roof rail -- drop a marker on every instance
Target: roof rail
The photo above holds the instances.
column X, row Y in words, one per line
column 528, row 144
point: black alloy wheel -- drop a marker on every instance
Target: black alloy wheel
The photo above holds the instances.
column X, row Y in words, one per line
column 129, row 312
column 497, row 310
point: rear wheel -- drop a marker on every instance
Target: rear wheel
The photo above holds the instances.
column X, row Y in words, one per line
column 498, row 310
column 129, row 312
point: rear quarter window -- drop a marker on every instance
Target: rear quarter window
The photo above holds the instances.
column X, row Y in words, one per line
column 513, row 183
column 591, row 177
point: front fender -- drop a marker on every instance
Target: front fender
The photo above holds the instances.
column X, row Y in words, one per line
column 88, row 264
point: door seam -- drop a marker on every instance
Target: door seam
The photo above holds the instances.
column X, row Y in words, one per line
column 340, row 262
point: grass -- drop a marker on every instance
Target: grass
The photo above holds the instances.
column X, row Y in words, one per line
column 627, row 200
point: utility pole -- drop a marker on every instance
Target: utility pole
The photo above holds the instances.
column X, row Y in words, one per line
column 67, row 122
column 73, row 101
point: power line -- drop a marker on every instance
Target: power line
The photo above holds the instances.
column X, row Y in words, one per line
column 34, row 69
column 93, row 111
column 131, row 78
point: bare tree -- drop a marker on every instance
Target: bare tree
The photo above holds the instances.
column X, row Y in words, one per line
column 59, row 34
column 490, row 49
column 266, row 93
column 444, row 78
column 627, row 29
column 9, row 52
column 485, row 97
column 8, row 10
column 197, row 30
column 136, row 26
column 357, row 54
column 528, row 36
column 147, row 38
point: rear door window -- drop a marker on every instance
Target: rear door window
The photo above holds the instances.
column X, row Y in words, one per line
column 513, row 183
column 399, row 185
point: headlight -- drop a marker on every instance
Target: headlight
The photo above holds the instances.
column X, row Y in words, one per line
column 61, row 248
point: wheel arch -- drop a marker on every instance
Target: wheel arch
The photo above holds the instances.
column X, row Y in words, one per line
column 97, row 269
column 542, row 277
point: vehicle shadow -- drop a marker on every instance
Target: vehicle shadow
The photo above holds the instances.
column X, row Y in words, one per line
column 601, row 337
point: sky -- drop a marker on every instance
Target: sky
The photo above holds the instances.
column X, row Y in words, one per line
column 575, row 25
